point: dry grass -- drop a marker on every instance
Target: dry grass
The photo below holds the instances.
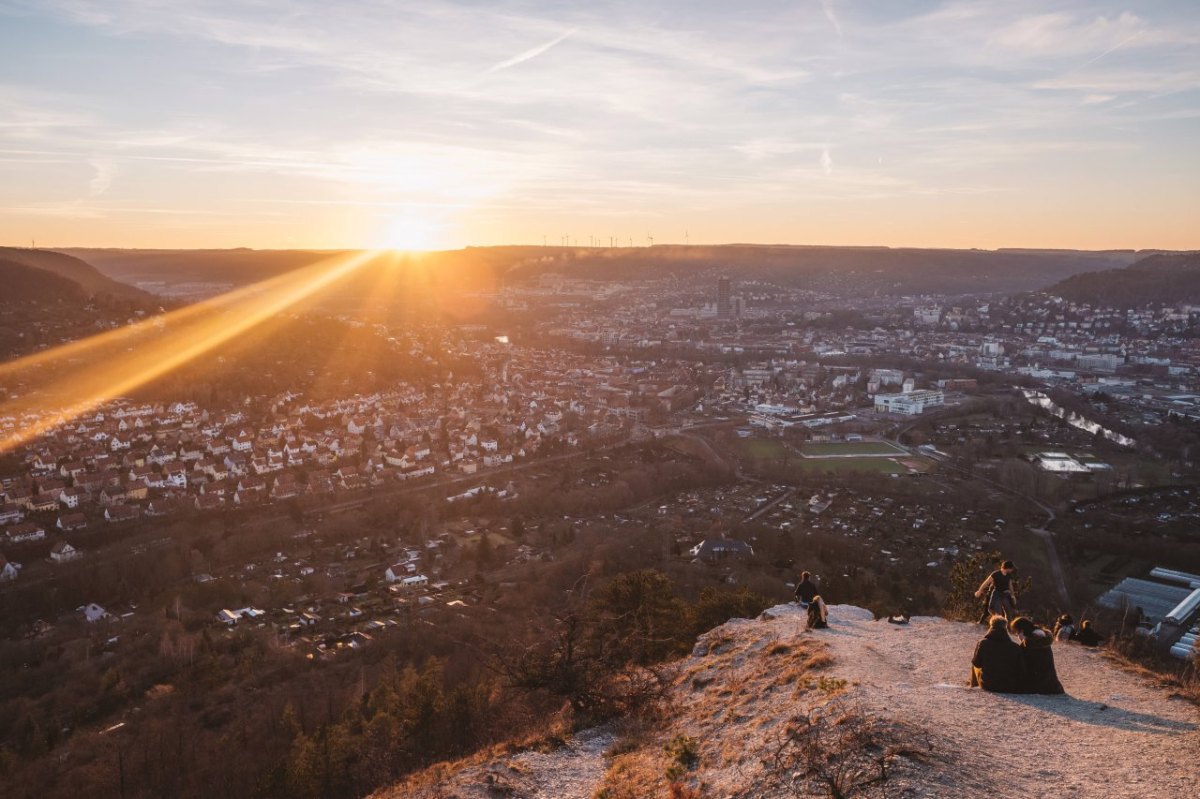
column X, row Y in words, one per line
column 840, row 750
column 427, row 783
column 1183, row 684
column 738, row 687
column 716, row 694
column 636, row 775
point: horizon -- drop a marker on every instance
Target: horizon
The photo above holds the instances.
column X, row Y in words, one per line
column 663, row 245
column 947, row 125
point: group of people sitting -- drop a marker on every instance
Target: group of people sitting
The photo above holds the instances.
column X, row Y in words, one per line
column 1065, row 630
column 1003, row 665
column 1024, row 666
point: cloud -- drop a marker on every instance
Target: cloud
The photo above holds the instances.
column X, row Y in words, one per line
column 530, row 54
column 831, row 15
column 686, row 106
column 106, row 170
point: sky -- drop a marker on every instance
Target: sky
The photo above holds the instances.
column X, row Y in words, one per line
column 438, row 124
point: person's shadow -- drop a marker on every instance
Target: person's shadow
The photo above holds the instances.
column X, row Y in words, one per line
column 1101, row 714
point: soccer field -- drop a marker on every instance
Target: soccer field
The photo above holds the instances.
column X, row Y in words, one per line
column 865, row 464
column 835, row 448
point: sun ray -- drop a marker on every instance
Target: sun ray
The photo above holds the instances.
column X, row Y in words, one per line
column 120, row 361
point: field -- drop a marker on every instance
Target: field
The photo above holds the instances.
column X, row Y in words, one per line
column 859, row 464
column 878, row 457
column 760, row 448
column 853, row 448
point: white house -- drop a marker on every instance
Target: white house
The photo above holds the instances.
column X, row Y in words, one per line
column 414, row 581
column 93, row 613
column 231, row 617
column 71, row 497
column 26, row 531
column 62, row 552
column 176, row 476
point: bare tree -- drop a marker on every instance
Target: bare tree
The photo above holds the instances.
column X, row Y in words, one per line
column 840, row 750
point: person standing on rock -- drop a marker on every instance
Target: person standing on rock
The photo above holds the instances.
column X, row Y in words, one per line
column 1037, row 656
column 1002, row 600
column 806, row 590
column 997, row 664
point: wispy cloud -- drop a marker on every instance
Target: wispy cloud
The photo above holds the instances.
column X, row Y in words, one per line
column 531, row 53
column 676, row 108
column 106, row 170
column 827, row 6
column 826, row 162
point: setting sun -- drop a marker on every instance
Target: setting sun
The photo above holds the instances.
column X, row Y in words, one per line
column 413, row 233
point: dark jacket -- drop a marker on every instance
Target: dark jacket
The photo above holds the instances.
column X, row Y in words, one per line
column 805, row 591
column 1000, row 664
column 1089, row 637
column 1038, row 657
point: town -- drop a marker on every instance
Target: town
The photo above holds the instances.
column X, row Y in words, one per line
column 729, row 432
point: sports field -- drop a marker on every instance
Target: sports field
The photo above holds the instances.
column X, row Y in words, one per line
column 835, row 448
column 863, row 464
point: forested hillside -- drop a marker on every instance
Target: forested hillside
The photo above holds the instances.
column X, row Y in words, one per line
column 1155, row 280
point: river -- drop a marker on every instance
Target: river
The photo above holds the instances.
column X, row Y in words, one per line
column 1074, row 419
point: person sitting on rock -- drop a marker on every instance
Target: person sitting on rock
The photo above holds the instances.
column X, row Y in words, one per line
column 1088, row 636
column 997, row 664
column 1064, row 629
column 805, row 590
column 818, row 614
column 1001, row 598
column 1038, row 657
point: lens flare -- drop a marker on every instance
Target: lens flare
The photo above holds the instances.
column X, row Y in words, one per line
column 78, row 377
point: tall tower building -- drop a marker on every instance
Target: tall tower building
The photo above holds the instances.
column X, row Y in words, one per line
column 724, row 302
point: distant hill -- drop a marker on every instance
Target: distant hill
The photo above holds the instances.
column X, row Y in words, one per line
column 850, row 270
column 236, row 267
column 24, row 285
column 87, row 277
column 1156, row 280
column 843, row 270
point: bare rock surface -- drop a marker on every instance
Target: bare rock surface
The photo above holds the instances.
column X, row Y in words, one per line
column 1114, row 733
